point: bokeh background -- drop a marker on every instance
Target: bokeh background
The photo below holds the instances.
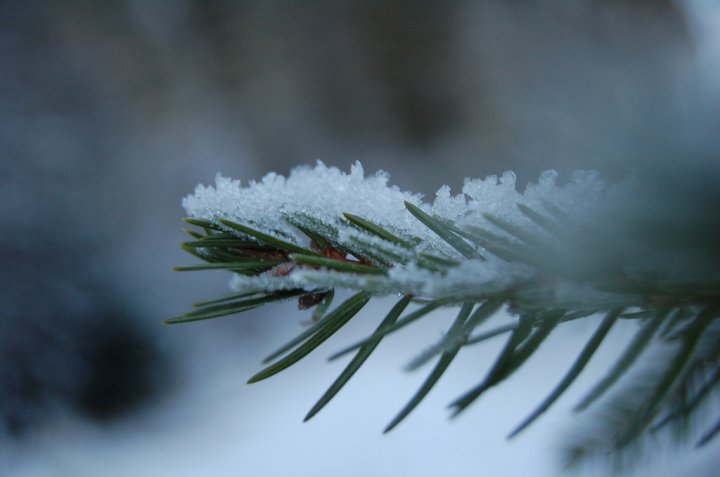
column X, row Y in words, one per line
column 111, row 112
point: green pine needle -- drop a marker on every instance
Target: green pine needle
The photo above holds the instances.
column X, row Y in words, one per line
column 574, row 371
column 629, row 356
column 406, row 320
column 376, row 230
column 550, row 225
column 443, row 363
column 501, row 369
column 231, row 308
column 332, row 323
column 362, row 355
column 266, row 238
column 337, row 265
column 244, row 265
column 444, row 232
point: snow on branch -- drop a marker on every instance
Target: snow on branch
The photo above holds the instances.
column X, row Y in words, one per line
column 643, row 249
column 318, row 197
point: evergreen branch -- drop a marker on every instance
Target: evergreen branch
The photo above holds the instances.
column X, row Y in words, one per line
column 558, row 254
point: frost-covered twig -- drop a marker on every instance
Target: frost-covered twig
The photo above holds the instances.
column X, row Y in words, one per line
column 550, row 254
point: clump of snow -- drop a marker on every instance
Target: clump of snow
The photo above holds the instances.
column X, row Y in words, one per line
column 321, row 192
column 324, row 193
column 499, row 197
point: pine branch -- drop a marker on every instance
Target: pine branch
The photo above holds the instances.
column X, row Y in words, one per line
column 549, row 255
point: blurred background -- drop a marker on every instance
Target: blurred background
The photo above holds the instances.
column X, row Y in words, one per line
column 111, row 112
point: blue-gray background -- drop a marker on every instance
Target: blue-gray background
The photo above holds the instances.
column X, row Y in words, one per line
column 111, row 112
